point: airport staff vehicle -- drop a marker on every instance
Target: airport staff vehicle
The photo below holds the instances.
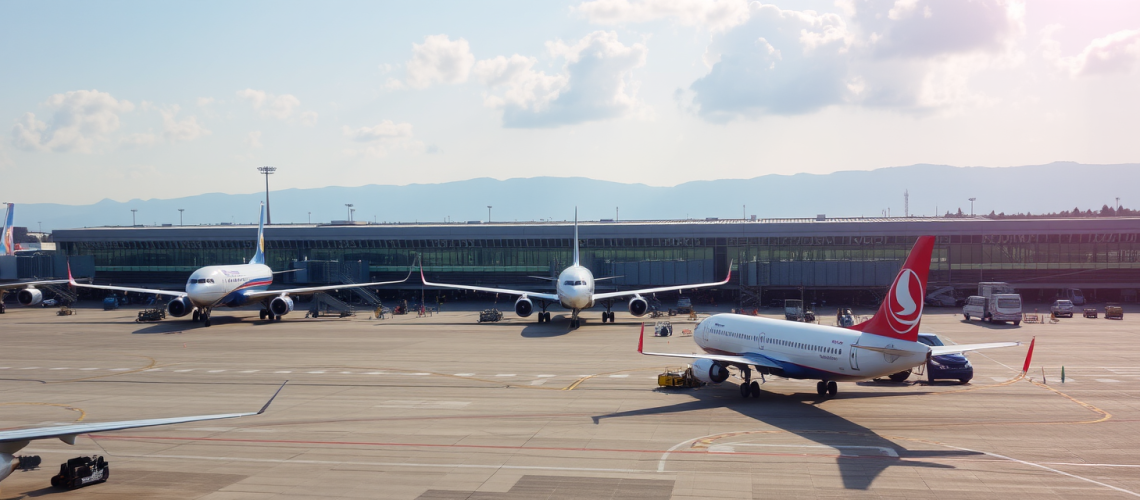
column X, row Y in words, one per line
column 574, row 290
column 490, row 316
column 1112, row 310
column 1073, row 294
column 1062, row 307
column 794, row 311
column 1091, row 312
column 14, row 440
column 663, row 329
column 234, row 286
column 679, row 377
column 684, row 305
column 885, row 344
column 997, row 308
column 81, row 471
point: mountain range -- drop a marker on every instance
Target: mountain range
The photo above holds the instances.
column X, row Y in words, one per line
column 932, row 189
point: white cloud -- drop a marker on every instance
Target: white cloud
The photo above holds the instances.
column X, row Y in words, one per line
column 1114, row 53
column 185, row 130
column 439, row 60
column 253, row 140
column 382, row 138
column 596, row 82
column 715, row 15
column 205, row 101
column 80, row 119
column 282, row 107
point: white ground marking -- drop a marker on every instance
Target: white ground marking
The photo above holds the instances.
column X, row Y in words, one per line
column 373, row 373
column 423, row 404
column 215, row 371
column 1108, row 381
column 249, row 371
column 153, row 370
column 464, row 374
column 283, row 371
column 1000, row 379
column 587, row 375
column 318, row 371
column 120, row 369
column 346, row 373
column 184, row 371
column 65, row 368
column 505, row 375
column 87, row 369
column 1050, row 469
column 1093, row 465
column 4, row 367
column 620, row 375
column 545, row 376
column 421, row 374
column 538, row 382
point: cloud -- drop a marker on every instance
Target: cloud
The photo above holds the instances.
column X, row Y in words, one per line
column 81, row 118
column 253, row 140
column 140, row 139
column 595, row 83
column 382, row 138
column 205, row 101
column 1114, row 53
column 715, row 15
column 439, row 60
column 281, row 107
column 932, row 28
column 185, row 130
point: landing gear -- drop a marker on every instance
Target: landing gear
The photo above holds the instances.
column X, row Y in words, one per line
column 608, row 315
column 544, row 317
column 197, row 316
column 821, row 388
column 575, row 321
column 749, row 387
column 826, row 388
column 832, row 388
column 205, row 316
column 262, row 313
column 754, row 388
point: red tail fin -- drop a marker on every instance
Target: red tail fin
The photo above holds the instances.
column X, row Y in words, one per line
column 901, row 312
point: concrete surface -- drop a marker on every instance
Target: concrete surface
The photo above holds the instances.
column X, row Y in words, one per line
column 444, row 408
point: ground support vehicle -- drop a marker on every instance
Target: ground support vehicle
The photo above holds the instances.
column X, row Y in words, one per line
column 975, row 306
column 679, row 378
column 151, row 315
column 944, row 297
column 663, row 329
column 1113, row 310
column 684, row 305
column 110, row 303
column 794, row 310
column 1091, row 312
column 946, row 366
column 997, row 308
column 490, row 316
column 65, row 311
column 1073, row 294
column 1062, row 307
column 81, row 471
column 844, row 317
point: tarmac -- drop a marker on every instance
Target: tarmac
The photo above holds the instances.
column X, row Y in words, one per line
column 442, row 407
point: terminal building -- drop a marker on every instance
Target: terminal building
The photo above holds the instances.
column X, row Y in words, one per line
column 770, row 258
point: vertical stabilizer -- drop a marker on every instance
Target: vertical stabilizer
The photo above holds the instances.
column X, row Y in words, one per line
column 7, row 246
column 899, row 315
column 576, row 236
column 259, row 257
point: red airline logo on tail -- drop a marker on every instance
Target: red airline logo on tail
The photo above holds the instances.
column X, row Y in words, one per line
column 901, row 312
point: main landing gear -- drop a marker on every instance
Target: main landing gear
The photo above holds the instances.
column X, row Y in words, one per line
column 826, row 388
column 543, row 317
column 608, row 315
column 203, row 316
column 749, row 387
column 265, row 314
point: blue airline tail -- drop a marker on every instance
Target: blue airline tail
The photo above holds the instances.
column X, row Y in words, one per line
column 259, row 257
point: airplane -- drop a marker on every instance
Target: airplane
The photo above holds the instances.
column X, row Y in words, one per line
column 12, row 441
column 883, row 345
column 574, row 290
column 28, row 294
column 233, row 286
column 7, row 246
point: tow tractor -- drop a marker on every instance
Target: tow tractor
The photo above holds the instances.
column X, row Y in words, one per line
column 663, row 329
column 490, row 316
column 81, row 471
column 679, row 377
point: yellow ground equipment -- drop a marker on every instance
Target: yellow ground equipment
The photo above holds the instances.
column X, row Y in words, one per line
column 1113, row 310
column 679, row 377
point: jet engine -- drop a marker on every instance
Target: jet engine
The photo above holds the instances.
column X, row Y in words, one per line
column 281, row 306
column 179, row 307
column 7, row 465
column 709, row 371
column 638, row 306
column 30, row 297
column 523, row 307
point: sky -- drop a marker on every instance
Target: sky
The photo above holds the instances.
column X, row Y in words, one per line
column 141, row 100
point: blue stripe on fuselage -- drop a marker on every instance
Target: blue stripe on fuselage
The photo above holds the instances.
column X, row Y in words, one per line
column 238, row 297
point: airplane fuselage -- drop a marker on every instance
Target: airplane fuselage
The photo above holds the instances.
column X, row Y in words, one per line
column 575, row 288
column 223, row 285
column 807, row 350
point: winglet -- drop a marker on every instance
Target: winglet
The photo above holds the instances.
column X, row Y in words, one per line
column 70, row 280
column 641, row 340
column 267, row 403
column 1028, row 357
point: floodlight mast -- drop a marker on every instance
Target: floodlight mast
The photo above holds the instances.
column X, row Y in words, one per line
column 267, row 170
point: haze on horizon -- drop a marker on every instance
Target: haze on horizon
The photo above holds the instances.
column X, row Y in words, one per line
column 163, row 100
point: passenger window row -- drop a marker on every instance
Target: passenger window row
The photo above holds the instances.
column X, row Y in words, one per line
column 801, row 345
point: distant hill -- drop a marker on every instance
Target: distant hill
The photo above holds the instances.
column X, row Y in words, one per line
column 1038, row 188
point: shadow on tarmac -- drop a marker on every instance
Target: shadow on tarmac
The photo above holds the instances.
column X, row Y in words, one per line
column 559, row 325
column 799, row 414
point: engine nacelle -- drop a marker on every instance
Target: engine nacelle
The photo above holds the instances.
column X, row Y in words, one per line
column 7, row 465
column 180, row 307
column 523, row 307
column 30, row 297
column 638, row 306
column 709, row 371
column 281, row 306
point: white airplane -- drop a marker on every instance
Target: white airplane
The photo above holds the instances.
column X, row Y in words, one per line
column 233, row 286
column 574, row 290
column 27, row 294
column 883, row 345
column 12, row 441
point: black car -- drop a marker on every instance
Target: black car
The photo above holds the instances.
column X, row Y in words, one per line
column 946, row 366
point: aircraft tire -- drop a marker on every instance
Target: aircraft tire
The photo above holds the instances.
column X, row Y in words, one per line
column 821, row 388
column 754, row 389
column 262, row 313
column 206, row 321
column 745, row 391
column 197, row 316
column 832, row 388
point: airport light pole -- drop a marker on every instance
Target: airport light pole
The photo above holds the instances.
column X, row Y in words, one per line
column 972, row 206
column 310, row 217
column 267, row 171
column 349, row 209
column 133, row 210
column 180, row 216
column 488, row 214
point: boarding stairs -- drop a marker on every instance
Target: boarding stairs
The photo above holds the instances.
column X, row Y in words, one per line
column 62, row 293
column 323, row 303
column 369, row 298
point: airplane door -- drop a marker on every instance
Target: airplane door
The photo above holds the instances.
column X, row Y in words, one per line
column 852, row 355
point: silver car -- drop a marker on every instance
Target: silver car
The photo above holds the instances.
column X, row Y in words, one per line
column 1062, row 307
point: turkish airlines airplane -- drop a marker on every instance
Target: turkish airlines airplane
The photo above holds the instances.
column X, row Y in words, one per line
column 233, row 286
column 12, row 441
column 883, row 345
column 574, row 290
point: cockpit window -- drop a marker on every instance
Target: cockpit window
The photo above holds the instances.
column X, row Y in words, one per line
column 568, row 282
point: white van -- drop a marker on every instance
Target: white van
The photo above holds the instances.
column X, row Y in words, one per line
column 999, row 308
column 1073, row 294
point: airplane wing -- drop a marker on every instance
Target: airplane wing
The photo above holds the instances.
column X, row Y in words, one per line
column 72, row 282
column 314, row 289
column 22, row 284
column 961, row 348
column 536, row 295
column 624, row 293
column 67, row 433
column 750, row 359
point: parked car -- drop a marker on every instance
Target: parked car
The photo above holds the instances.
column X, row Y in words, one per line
column 946, row 366
column 50, row 303
column 1073, row 294
column 1062, row 307
column 975, row 307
